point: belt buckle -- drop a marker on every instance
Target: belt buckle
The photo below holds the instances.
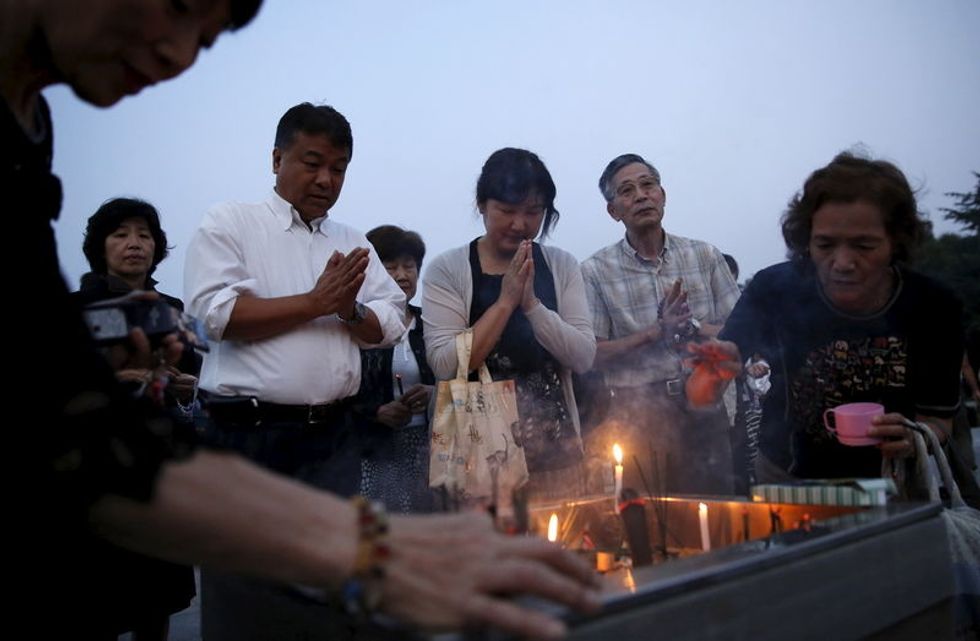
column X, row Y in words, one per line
column 311, row 411
column 318, row 413
column 675, row 387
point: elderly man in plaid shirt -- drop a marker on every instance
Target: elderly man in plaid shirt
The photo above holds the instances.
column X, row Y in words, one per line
column 650, row 294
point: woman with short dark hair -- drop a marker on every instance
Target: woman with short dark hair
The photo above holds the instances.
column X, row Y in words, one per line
column 124, row 243
column 845, row 320
column 109, row 221
column 396, row 385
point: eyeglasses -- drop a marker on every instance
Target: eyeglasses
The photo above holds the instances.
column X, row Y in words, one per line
column 628, row 188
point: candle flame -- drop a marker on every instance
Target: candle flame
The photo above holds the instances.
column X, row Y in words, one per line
column 618, row 454
column 553, row 528
column 702, row 508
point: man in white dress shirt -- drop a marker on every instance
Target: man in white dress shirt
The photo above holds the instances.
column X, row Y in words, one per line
column 288, row 296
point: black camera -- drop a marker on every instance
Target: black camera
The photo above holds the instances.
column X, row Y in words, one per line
column 110, row 321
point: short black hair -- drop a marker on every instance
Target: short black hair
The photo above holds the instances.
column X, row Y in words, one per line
column 732, row 265
column 511, row 175
column 108, row 218
column 315, row 119
column 242, row 12
column 392, row 242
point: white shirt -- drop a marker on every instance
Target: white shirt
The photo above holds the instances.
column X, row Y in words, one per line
column 266, row 250
column 404, row 364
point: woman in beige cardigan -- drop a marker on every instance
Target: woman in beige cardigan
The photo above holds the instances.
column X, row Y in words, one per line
column 526, row 306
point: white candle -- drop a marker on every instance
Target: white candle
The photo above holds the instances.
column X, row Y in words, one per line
column 553, row 528
column 703, row 518
column 629, row 582
column 618, row 456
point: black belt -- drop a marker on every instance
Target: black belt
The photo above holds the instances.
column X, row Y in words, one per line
column 673, row 388
column 250, row 410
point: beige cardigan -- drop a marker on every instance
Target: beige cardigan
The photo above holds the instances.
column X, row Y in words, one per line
column 447, row 290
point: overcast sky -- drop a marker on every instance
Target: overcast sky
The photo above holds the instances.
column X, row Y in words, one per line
column 734, row 102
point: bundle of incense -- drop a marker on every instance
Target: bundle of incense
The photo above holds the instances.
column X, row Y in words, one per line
column 660, row 489
column 634, row 516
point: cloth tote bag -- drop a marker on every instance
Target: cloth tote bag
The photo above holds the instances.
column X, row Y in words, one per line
column 475, row 453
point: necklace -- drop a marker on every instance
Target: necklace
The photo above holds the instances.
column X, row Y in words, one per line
column 885, row 293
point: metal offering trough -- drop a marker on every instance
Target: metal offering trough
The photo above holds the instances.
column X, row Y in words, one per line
column 774, row 571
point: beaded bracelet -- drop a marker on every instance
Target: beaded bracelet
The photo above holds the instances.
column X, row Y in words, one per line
column 361, row 593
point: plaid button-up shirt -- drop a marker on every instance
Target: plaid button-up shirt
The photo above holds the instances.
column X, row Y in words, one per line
column 624, row 290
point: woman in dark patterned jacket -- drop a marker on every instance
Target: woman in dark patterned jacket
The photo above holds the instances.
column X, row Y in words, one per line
column 124, row 243
column 396, row 386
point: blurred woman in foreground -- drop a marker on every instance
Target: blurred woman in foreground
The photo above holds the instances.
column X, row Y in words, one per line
column 100, row 467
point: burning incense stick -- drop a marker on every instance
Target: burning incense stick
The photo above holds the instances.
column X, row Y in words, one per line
column 661, row 507
column 643, row 477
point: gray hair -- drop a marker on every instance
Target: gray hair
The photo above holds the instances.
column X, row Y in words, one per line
column 617, row 163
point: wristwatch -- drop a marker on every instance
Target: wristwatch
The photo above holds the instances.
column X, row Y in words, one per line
column 360, row 313
column 693, row 328
column 689, row 331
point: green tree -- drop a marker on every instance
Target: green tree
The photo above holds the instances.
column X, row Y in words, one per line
column 967, row 209
column 954, row 259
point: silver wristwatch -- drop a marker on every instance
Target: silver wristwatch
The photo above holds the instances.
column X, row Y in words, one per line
column 360, row 313
column 688, row 332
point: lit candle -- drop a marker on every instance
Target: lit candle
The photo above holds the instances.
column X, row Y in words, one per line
column 628, row 581
column 703, row 518
column 553, row 528
column 618, row 456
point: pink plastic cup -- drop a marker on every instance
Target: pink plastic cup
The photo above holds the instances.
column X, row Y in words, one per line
column 850, row 422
